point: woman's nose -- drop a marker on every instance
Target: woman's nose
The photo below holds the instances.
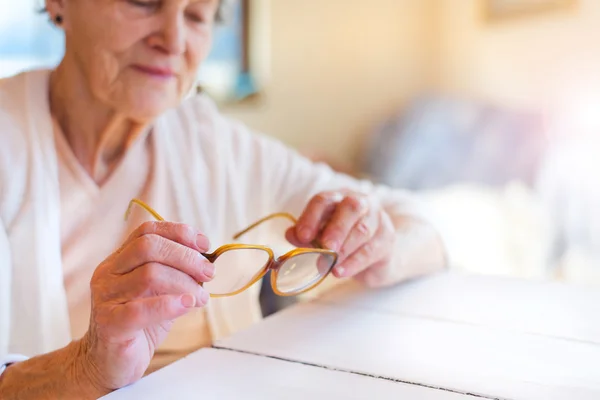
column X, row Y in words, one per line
column 171, row 35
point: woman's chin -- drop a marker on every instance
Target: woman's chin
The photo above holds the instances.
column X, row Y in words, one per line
column 150, row 106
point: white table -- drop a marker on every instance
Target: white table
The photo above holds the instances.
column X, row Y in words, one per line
column 444, row 337
column 221, row 374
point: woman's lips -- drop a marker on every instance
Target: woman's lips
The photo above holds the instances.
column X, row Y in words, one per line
column 157, row 72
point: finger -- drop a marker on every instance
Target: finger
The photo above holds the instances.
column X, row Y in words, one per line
column 357, row 262
column 318, row 210
column 150, row 280
column 361, row 233
column 346, row 215
column 292, row 238
column 180, row 233
column 324, row 264
column 141, row 313
column 378, row 248
column 156, row 249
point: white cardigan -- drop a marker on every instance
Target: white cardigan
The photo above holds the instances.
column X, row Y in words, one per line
column 221, row 175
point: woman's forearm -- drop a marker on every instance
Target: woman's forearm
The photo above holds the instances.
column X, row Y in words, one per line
column 61, row 374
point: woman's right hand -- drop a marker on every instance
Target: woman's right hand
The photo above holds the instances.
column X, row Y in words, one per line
column 137, row 293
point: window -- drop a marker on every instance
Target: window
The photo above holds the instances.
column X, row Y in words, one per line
column 27, row 39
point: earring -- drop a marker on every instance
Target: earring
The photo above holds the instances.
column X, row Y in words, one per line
column 58, row 19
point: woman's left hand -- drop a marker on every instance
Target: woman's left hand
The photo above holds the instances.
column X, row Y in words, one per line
column 352, row 224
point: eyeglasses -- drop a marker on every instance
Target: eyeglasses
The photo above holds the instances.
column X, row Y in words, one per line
column 239, row 266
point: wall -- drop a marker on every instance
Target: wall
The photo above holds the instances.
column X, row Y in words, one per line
column 336, row 67
column 534, row 61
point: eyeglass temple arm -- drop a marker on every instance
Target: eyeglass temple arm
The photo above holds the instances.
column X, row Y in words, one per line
column 315, row 242
column 156, row 215
column 145, row 207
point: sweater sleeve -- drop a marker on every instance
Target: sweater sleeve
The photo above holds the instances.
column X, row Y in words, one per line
column 277, row 178
column 292, row 180
column 287, row 181
column 5, row 291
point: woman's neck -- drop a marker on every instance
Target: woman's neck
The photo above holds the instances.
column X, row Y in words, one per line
column 98, row 135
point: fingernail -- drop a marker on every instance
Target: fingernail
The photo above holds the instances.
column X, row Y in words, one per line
column 202, row 242
column 205, row 297
column 188, row 300
column 340, row 271
column 209, row 270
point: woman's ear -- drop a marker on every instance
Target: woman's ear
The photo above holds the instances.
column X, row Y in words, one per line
column 56, row 11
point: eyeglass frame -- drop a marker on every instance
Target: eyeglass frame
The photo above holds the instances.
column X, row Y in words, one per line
column 272, row 264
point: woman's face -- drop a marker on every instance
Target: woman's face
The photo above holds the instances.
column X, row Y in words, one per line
column 138, row 57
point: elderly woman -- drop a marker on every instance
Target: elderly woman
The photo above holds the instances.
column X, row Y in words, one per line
column 87, row 301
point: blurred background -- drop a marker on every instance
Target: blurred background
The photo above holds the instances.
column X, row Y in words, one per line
column 488, row 109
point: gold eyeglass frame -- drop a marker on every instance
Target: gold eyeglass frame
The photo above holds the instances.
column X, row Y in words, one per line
column 272, row 264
